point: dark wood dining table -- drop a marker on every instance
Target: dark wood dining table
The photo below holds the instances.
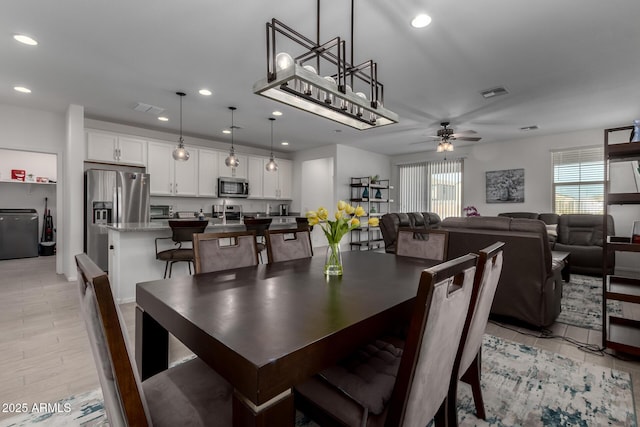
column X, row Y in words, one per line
column 270, row 327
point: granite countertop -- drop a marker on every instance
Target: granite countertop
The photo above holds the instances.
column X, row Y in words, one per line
column 215, row 225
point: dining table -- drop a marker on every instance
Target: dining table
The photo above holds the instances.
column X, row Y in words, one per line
column 269, row 327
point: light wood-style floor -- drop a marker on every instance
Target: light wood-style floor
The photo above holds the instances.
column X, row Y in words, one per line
column 45, row 354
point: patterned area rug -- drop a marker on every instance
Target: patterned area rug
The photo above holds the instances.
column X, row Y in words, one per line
column 522, row 386
column 582, row 302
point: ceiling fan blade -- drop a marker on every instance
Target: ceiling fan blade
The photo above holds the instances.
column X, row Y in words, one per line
column 467, row 138
column 466, row 132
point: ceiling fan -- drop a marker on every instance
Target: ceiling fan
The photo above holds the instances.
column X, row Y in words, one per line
column 446, row 135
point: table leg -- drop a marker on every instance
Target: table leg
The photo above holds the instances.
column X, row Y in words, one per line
column 279, row 411
column 152, row 345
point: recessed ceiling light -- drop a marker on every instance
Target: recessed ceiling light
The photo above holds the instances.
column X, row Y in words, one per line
column 163, row 119
column 421, row 21
column 205, row 92
column 22, row 89
column 227, row 131
column 277, row 113
column 284, row 143
column 25, row 39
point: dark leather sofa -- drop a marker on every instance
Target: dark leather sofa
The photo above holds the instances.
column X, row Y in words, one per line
column 582, row 236
column 391, row 222
column 530, row 287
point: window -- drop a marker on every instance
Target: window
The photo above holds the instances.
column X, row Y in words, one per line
column 432, row 187
column 578, row 181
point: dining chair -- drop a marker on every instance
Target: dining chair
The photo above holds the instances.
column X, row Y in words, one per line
column 190, row 393
column 224, row 251
column 181, row 231
column 303, row 222
column 468, row 360
column 422, row 243
column 259, row 225
column 285, row 245
column 387, row 383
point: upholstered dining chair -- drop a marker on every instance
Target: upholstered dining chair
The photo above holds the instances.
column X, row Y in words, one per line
column 387, row 383
column 259, row 225
column 285, row 245
column 422, row 243
column 181, row 232
column 468, row 359
column 224, row 251
column 190, row 393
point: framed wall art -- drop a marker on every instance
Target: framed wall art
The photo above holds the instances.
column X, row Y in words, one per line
column 505, row 186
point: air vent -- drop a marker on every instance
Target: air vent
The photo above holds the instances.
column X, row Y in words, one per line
column 527, row 128
column 491, row 93
column 148, row 108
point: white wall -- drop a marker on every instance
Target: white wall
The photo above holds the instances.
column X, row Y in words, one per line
column 354, row 162
column 37, row 131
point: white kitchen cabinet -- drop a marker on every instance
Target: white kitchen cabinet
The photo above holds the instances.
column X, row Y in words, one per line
column 285, row 176
column 270, row 180
column 114, row 148
column 255, row 177
column 168, row 176
column 208, row 173
column 240, row 172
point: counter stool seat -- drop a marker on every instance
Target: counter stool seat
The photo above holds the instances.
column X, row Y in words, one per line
column 181, row 231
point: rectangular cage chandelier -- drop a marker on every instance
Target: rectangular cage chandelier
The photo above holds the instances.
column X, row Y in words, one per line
column 321, row 81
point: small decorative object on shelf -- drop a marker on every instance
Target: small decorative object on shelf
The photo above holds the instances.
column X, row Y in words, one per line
column 635, row 133
column 378, row 194
column 365, row 193
column 375, row 179
column 635, row 232
column 346, row 219
column 471, row 211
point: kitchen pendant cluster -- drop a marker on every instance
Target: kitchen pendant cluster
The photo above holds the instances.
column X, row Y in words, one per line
column 180, row 153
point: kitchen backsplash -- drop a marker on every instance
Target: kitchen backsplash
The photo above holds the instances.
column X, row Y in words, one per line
column 186, row 204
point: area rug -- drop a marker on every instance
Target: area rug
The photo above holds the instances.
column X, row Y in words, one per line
column 582, row 302
column 522, row 386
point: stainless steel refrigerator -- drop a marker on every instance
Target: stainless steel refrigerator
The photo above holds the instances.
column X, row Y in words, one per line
column 112, row 196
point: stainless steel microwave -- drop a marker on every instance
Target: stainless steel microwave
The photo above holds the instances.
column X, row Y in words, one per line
column 233, row 187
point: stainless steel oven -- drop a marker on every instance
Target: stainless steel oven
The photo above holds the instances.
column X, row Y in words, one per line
column 233, row 187
column 161, row 211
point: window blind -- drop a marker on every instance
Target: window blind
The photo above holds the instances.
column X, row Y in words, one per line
column 431, row 187
column 578, row 181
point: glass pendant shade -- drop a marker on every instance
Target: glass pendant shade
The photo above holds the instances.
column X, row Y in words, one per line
column 271, row 166
column 180, row 153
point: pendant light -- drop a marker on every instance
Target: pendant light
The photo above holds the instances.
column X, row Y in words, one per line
column 272, row 166
column 181, row 153
column 232, row 160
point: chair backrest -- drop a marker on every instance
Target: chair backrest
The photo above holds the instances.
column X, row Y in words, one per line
column 183, row 230
column 583, row 229
column 484, row 289
column 432, row 342
column 224, row 251
column 284, row 245
column 302, row 223
column 259, row 225
column 123, row 397
column 422, row 243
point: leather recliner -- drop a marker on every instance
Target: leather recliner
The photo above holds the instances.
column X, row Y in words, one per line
column 391, row 222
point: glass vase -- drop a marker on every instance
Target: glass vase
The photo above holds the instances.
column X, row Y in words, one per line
column 333, row 260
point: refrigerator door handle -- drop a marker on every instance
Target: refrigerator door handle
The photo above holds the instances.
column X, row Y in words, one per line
column 117, row 199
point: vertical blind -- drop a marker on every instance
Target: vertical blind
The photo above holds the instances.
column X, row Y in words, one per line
column 432, row 187
column 578, row 181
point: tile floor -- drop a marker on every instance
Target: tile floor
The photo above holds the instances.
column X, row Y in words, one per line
column 45, row 354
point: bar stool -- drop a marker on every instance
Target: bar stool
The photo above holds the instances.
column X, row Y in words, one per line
column 181, row 231
column 259, row 225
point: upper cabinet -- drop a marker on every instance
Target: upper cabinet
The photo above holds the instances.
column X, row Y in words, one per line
column 285, row 178
column 277, row 185
column 168, row 176
column 255, row 177
column 208, row 173
column 240, row 172
column 113, row 148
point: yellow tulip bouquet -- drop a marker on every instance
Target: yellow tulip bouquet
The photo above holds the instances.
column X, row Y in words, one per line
column 346, row 219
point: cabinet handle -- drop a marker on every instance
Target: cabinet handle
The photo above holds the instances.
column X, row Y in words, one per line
column 175, row 187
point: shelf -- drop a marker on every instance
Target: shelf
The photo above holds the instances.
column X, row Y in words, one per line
column 623, row 335
column 26, row 182
column 369, row 200
column 624, row 152
column 623, row 198
column 623, row 289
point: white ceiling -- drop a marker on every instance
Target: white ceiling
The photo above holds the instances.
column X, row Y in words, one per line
column 568, row 65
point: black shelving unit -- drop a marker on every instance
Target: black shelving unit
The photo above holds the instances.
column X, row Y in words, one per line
column 374, row 198
column 619, row 333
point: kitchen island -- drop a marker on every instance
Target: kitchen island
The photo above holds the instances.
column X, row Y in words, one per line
column 132, row 251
